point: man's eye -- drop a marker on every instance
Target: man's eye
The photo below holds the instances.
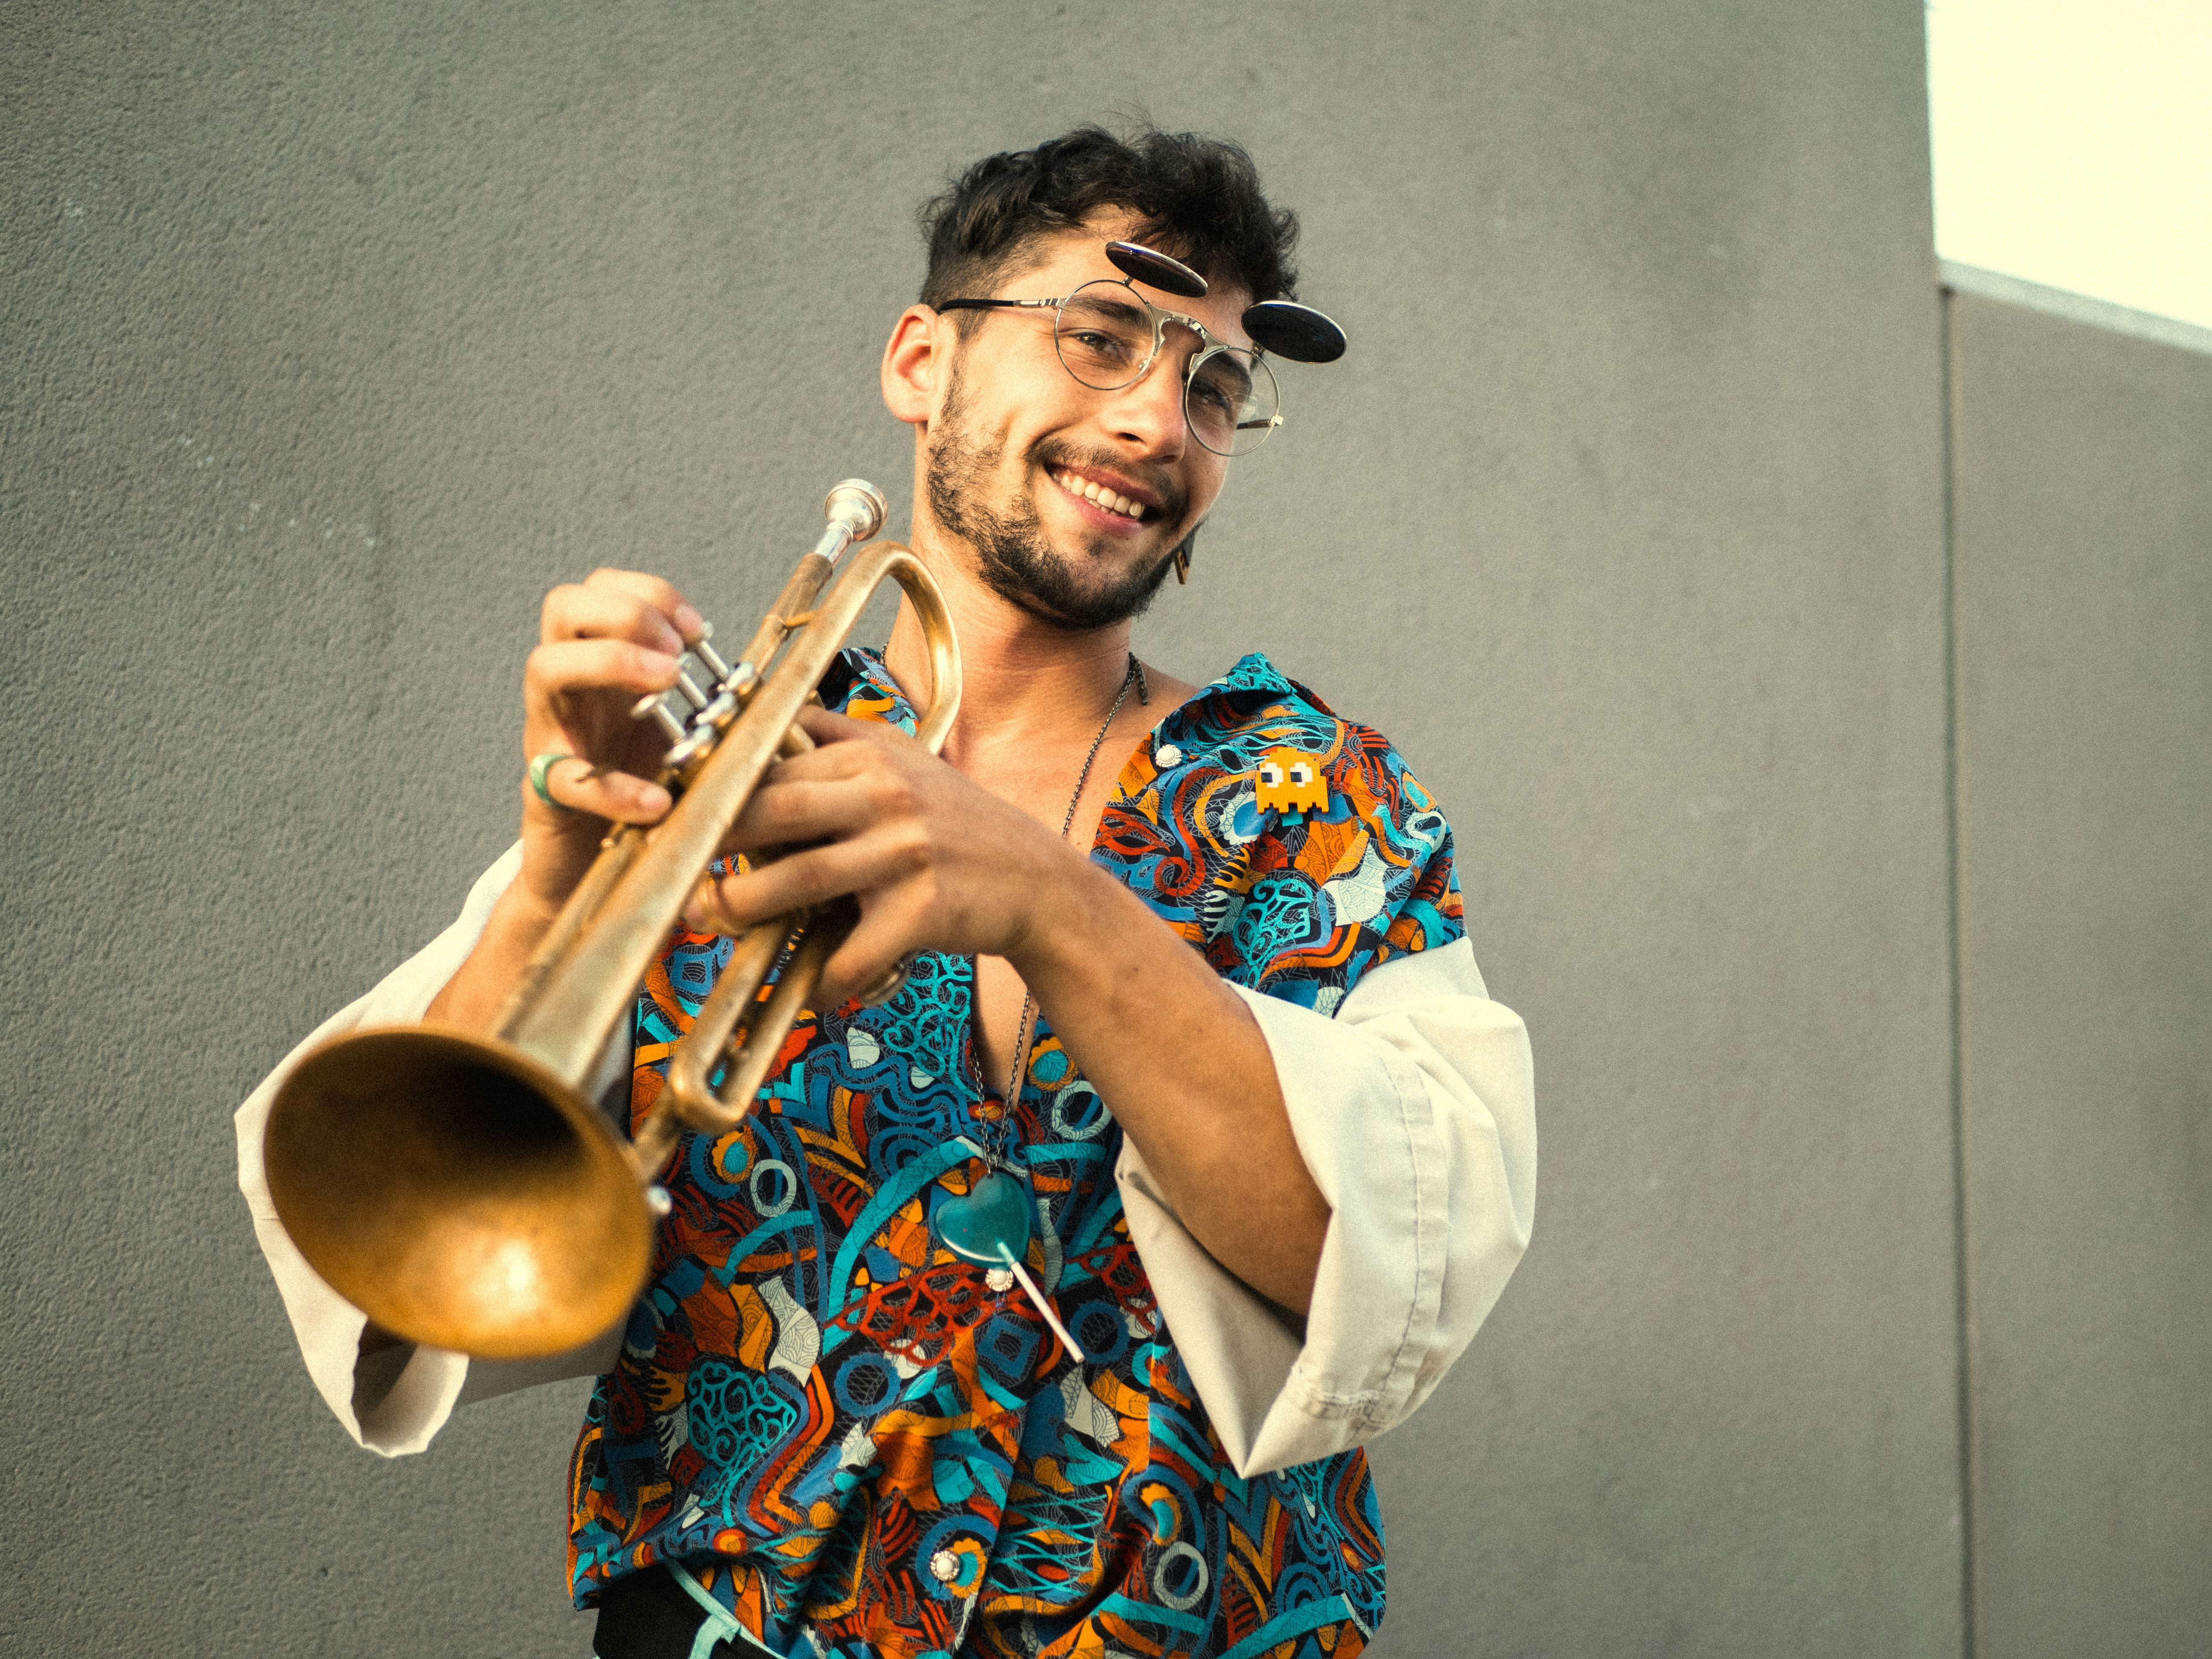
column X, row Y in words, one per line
column 1221, row 391
column 1212, row 397
column 1102, row 347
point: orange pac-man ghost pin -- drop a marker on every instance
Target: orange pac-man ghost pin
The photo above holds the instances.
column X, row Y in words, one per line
column 1291, row 782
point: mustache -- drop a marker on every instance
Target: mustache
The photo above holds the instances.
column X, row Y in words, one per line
column 1175, row 501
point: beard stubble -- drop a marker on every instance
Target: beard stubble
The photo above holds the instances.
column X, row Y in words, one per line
column 1011, row 553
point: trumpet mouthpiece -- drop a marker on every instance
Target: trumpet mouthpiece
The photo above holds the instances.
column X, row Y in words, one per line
column 858, row 505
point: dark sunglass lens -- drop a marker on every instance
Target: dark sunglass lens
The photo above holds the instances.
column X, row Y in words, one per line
column 1156, row 270
column 1292, row 330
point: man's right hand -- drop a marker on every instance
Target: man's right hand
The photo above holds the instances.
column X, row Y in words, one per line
column 603, row 643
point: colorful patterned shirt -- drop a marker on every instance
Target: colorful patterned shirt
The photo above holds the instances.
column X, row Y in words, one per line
column 840, row 1430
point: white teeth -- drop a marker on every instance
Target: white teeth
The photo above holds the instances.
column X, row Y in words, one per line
column 1099, row 494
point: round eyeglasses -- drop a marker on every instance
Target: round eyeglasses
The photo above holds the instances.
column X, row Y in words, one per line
column 1107, row 336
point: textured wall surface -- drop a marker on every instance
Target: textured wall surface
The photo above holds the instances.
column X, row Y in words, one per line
column 333, row 335
column 2084, row 583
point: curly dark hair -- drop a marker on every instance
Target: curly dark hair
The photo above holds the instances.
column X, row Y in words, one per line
column 1195, row 197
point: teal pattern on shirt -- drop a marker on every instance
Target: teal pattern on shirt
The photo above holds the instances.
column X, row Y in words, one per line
column 853, row 1440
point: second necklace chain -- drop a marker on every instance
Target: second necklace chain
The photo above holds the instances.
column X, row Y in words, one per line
column 1134, row 675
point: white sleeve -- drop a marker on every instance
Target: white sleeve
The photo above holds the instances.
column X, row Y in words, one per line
column 397, row 1415
column 1414, row 1108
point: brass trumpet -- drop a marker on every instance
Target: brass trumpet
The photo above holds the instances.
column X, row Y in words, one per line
column 460, row 1189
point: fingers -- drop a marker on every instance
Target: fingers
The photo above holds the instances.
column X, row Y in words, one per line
column 884, row 936
column 567, row 666
column 838, row 788
column 623, row 604
column 829, row 730
column 604, row 643
column 787, row 809
column 881, row 939
column 577, row 786
column 814, row 875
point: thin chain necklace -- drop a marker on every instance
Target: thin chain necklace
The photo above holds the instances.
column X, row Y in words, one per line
column 990, row 1223
column 1134, row 675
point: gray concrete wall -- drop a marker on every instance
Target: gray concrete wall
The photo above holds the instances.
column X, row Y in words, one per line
column 334, row 334
column 2083, row 553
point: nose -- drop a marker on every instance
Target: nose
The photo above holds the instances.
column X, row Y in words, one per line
column 1149, row 412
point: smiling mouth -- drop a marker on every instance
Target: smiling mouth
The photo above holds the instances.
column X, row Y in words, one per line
column 1099, row 497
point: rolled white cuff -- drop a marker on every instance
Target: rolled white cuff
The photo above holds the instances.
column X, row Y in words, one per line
column 402, row 1417
column 1414, row 1109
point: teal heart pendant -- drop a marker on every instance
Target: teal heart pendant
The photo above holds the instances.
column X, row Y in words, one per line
column 989, row 1224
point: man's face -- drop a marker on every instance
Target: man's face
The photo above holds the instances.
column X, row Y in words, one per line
column 1072, row 500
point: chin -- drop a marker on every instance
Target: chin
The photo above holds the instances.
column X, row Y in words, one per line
column 1051, row 587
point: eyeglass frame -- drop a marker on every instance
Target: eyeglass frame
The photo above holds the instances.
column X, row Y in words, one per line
column 1161, row 316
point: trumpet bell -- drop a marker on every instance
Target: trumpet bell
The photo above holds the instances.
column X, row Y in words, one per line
column 457, row 1190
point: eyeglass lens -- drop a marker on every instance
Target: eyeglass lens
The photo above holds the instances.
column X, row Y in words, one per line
column 1105, row 336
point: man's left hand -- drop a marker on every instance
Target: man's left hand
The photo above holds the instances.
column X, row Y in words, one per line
column 937, row 861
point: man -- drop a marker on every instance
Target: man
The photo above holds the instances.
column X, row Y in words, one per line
column 1191, row 1030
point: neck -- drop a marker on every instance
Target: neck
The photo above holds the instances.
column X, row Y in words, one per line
column 1022, row 679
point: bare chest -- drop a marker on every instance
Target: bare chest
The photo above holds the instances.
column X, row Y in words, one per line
column 1047, row 793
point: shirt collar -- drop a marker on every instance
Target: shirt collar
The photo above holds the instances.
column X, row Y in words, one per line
column 858, row 685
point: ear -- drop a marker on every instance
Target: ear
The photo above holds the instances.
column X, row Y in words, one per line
column 915, row 361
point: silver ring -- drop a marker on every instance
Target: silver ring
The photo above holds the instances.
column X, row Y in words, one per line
column 892, row 983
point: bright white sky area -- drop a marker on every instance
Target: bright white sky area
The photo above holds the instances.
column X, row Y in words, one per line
column 2073, row 145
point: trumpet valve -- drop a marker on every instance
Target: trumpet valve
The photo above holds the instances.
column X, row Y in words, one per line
column 694, row 746
column 656, row 707
column 703, row 648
